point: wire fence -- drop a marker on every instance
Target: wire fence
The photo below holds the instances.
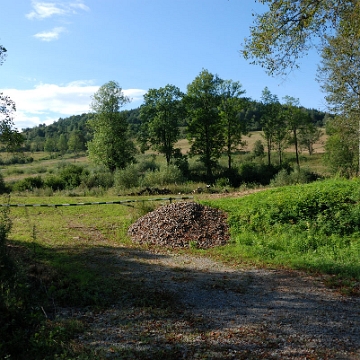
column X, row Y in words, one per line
column 120, row 202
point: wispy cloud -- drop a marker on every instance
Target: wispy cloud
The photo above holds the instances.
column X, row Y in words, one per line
column 42, row 10
column 51, row 35
column 46, row 103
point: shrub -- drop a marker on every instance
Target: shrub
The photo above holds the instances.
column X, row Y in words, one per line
column 285, row 177
column 147, row 163
column 55, row 182
column 258, row 149
column 104, row 180
column 166, row 175
column 127, row 178
column 3, row 188
column 29, row 183
column 251, row 173
column 72, row 175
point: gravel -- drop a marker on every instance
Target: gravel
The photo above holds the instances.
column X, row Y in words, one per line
column 182, row 224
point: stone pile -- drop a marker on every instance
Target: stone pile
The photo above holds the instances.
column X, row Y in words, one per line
column 182, row 224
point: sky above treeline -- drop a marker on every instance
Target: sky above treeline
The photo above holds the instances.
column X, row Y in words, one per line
column 60, row 52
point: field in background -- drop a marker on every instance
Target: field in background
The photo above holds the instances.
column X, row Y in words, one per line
column 43, row 164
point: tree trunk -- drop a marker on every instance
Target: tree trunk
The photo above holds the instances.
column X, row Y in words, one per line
column 296, row 148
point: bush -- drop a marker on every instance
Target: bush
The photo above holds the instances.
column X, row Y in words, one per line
column 127, row 178
column 258, row 149
column 104, row 180
column 285, row 177
column 251, row 173
column 147, row 163
column 167, row 175
column 3, row 188
column 72, row 175
column 55, row 182
column 29, row 183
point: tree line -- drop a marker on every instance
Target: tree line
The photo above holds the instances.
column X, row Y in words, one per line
column 214, row 115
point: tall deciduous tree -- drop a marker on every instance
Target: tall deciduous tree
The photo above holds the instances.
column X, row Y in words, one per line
column 284, row 33
column 230, row 108
column 111, row 144
column 339, row 72
column 76, row 141
column 270, row 120
column 341, row 147
column 205, row 130
column 160, row 115
column 296, row 118
column 9, row 135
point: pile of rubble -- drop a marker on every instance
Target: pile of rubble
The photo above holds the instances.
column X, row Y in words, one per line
column 182, row 225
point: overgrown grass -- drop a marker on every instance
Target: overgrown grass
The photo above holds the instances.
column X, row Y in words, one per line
column 53, row 252
column 314, row 227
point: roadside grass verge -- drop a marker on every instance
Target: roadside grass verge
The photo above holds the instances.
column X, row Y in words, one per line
column 313, row 227
column 61, row 260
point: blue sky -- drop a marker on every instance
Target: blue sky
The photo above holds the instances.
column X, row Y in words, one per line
column 60, row 52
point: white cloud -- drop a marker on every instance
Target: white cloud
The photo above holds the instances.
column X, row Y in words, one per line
column 51, row 35
column 42, row 10
column 79, row 5
column 46, row 103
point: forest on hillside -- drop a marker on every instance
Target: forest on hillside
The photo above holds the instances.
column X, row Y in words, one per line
column 59, row 136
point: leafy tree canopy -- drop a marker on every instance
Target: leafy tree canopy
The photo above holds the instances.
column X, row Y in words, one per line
column 111, row 144
column 286, row 32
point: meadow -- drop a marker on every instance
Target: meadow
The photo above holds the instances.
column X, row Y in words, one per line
column 57, row 251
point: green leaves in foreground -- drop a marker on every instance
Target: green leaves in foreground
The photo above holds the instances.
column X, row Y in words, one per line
column 314, row 226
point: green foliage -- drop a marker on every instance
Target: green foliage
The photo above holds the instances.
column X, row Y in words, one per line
column 28, row 183
column 72, row 175
column 258, row 149
column 291, row 177
column 127, row 178
column 161, row 114
column 286, row 31
column 313, row 226
column 55, row 182
column 166, row 175
column 111, row 145
column 252, row 173
column 103, row 180
column 205, row 130
column 230, row 109
column 3, row 187
column 342, row 152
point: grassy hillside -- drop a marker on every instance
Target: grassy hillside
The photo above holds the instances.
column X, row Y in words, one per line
column 313, row 227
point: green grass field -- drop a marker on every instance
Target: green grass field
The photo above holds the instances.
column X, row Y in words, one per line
column 58, row 250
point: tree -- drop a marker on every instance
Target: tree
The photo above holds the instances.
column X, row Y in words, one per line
column 229, row 110
column 296, row 118
column 62, row 144
column 111, row 144
column 76, row 141
column 205, row 130
column 286, row 32
column 341, row 147
column 308, row 136
column 9, row 135
column 339, row 72
column 50, row 145
column 160, row 115
column 270, row 119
